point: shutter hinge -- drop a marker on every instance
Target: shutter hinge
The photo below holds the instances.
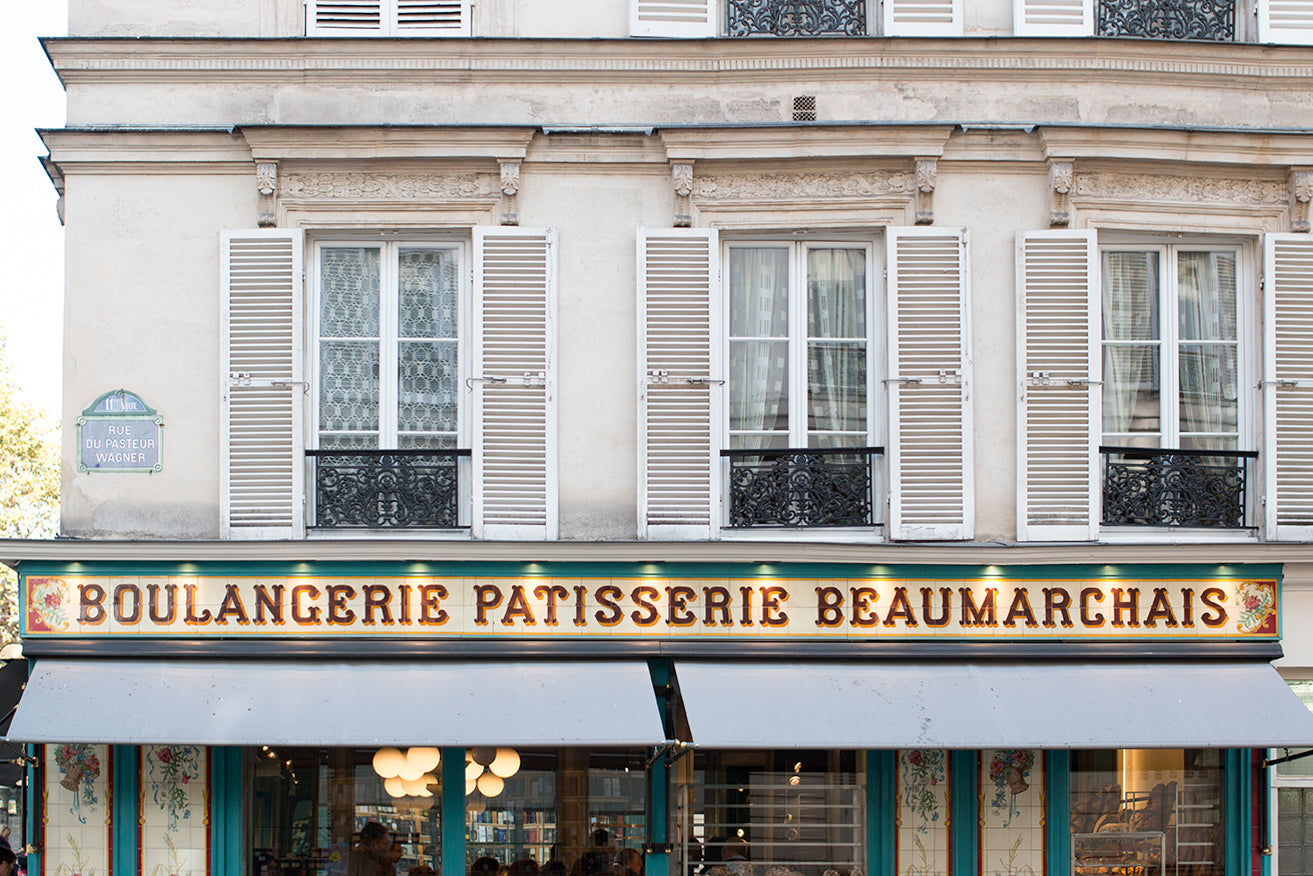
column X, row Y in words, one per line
column 1285, row 384
column 239, row 378
column 1045, row 378
column 662, row 375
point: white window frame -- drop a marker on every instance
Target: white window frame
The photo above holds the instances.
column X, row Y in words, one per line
column 1248, row 364
column 798, row 245
column 390, row 247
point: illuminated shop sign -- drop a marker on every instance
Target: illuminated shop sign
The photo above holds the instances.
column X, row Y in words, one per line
column 533, row 607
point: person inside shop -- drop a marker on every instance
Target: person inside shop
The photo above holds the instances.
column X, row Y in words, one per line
column 369, row 851
column 553, row 868
column 421, row 870
column 387, row 862
column 524, row 867
column 485, row 866
column 8, row 862
column 631, row 862
column 734, row 855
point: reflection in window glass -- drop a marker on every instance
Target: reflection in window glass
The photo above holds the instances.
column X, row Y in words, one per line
column 1150, row 812
column 743, row 813
column 308, row 806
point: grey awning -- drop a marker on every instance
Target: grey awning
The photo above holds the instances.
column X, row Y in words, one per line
column 350, row 704
column 991, row 705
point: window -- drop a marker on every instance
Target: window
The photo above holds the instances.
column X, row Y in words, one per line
column 1172, row 379
column 795, row 18
column 388, row 18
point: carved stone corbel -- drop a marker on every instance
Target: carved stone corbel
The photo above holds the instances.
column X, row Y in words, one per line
column 926, row 171
column 682, row 175
column 510, row 190
column 1060, row 181
column 266, row 183
column 1301, row 189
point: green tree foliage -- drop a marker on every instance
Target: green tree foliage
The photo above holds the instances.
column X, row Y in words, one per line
column 29, row 484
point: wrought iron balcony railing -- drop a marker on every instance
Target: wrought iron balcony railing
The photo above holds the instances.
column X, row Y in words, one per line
column 795, row 18
column 1151, row 487
column 1168, row 19
column 802, row 487
column 387, row 489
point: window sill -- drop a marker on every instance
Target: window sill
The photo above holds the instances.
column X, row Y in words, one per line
column 1176, row 535
column 388, row 534
column 824, row 534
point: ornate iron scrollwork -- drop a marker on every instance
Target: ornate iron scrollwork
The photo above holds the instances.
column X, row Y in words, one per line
column 1174, row 487
column 387, row 489
column 1168, row 19
column 795, row 18
column 801, row 487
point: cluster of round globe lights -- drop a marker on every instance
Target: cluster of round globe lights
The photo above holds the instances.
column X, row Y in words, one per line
column 408, row 773
column 486, row 769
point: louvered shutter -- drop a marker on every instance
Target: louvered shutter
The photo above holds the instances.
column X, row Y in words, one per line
column 1288, row 386
column 1285, row 21
column 1053, row 17
column 931, row 492
column 1057, row 363
column 261, row 463
column 672, row 18
column 514, row 354
column 388, row 17
column 923, row 17
column 677, row 420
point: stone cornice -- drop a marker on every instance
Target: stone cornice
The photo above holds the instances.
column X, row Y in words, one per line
column 295, row 142
column 196, row 59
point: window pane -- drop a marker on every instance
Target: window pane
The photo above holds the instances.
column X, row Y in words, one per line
column 759, row 292
column 428, row 294
column 1209, row 392
column 428, row 376
column 1130, row 296
column 836, row 386
column 348, row 293
column 1131, row 391
column 836, row 293
column 1294, row 831
column 1147, row 811
column 1206, row 284
column 759, row 386
column 348, row 386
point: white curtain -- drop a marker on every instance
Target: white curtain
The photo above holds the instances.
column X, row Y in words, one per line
column 1130, row 349
column 836, row 351
column 1206, row 289
column 759, row 347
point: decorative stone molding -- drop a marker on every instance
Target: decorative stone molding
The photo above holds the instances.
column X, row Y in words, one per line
column 1155, row 188
column 793, row 187
column 1060, row 181
column 1301, row 190
column 682, row 178
column 266, row 183
column 381, row 187
column 926, row 172
column 510, row 190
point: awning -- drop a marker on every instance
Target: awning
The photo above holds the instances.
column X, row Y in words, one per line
column 339, row 703
column 991, row 705
column 13, row 675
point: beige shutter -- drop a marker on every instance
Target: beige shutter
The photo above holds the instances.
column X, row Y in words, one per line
column 1288, row 386
column 1285, row 21
column 346, row 18
column 931, row 491
column 1053, row 17
column 672, row 18
column 923, row 17
column 261, row 462
column 432, row 18
column 514, row 383
column 1057, row 363
column 677, row 338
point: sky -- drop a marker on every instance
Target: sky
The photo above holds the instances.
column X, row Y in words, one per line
column 31, row 239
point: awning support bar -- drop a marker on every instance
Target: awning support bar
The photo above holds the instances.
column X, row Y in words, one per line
column 1271, row 762
column 671, row 749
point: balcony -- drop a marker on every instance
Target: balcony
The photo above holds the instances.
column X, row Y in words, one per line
column 1168, row 19
column 387, row 489
column 1150, row 487
column 802, row 487
column 795, row 18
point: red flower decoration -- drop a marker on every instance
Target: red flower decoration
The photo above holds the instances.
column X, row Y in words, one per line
column 52, row 600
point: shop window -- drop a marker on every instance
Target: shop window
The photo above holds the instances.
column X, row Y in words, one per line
column 1292, row 783
column 795, row 812
column 560, row 812
column 308, row 807
column 1173, row 447
column 1153, row 812
column 801, row 384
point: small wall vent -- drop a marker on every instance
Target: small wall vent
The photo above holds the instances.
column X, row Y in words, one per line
column 804, row 108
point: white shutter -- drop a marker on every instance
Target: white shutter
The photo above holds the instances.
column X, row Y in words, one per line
column 345, row 18
column 931, row 493
column 261, row 462
column 388, row 17
column 672, row 18
column 1053, row 17
column 677, row 422
column 1285, row 21
column 1057, row 362
column 515, row 383
column 1288, row 386
column 923, row 17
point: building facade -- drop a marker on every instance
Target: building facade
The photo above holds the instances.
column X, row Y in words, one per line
column 681, row 437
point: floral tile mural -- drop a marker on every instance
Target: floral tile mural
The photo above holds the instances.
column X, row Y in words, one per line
column 1011, row 812
column 77, row 810
column 174, row 810
column 923, row 813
